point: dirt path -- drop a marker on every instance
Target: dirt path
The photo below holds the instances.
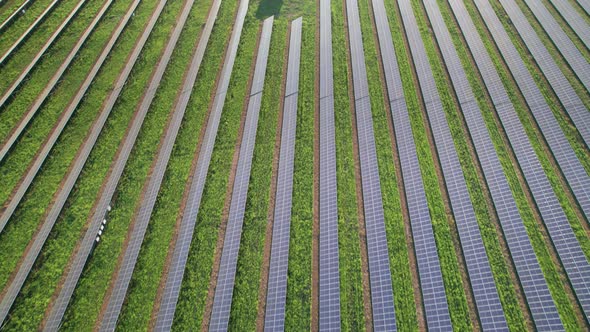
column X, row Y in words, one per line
column 262, row 290
column 228, row 195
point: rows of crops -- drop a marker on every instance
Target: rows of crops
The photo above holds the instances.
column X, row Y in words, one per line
column 90, row 96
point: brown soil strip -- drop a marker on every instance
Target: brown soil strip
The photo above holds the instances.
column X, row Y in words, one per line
column 228, row 195
column 368, row 308
column 264, row 271
column 172, row 245
column 580, row 317
column 421, row 320
column 315, row 242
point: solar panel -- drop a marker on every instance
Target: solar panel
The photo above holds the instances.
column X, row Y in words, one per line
column 8, row 93
column 20, row 10
column 586, row 5
column 481, row 278
column 60, row 305
column 25, row 35
column 431, row 280
column 562, row 236
column 329, row 272
column 27, row 262
column 274, row 318
column 571, row 102
column 377, row 251
column 574, row 20
column 231, row 244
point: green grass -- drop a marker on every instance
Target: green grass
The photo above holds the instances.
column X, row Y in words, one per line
column 405, row 306
column 14, row 239
column 298, row 303
column 351, row 290
column 37, row 291
column 21, row 23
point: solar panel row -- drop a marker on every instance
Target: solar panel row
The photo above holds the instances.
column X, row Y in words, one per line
column 27, row 262
column 274, row 318
column 566, row 94
column 329, row 272
column 560, row 231
column 189, row 216
column 585, row 4
column 540, row 303
column 78, row 262
column 166, row 310
column 231, row 244
column 574, row 20
column 431, row 280
column 377, row 250
column 20, row 10
column 8, row 53
column 16, row 132
column 143, row 214
column 481, row 278
column 8, row 93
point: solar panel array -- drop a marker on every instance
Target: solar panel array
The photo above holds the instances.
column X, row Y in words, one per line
column 8, row 21
column 142, row 216
column 167, row 308
column 31, row 256
column 329, row 272
column 431, row 280
column 574, row 20
column 586, row 5
column 566, row 94
column 15, row 133
column 482, row 281
column 276, row 296
column 378, row 253
column 8, row 93
column 233, row 234
column 544, row 312
column 568, row 248
column 189, row 216
column 29, row 30
column 100, row 209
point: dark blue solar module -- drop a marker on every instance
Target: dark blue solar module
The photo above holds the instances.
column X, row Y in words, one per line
column 168, row 303
column 378, row 253
column 329, row 272
column 574, row 20
column 482, row 281
column 566, row 94
column 60, row 305
column 143, row 214
column 431, row 280
column 33, row 252
column 231, row 244
column 564, row 240
column 276, row 296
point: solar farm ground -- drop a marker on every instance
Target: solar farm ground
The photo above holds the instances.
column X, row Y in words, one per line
column 294, row 165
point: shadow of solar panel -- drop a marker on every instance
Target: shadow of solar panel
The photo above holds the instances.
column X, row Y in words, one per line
column 231, row 244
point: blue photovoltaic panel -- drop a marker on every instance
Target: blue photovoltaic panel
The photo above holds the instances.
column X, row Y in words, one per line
column 581, row 68
column 329, row 272
column 231, row 244
column 199, row 176
column 564, row 240
column 168, row 303
column 431, row 280
column 33, row 252
column 481, row 278
column 574, row 20
column 143, row 214
column 276, row 296
column 60, row 305
column 584, row 4
column 378, row 253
